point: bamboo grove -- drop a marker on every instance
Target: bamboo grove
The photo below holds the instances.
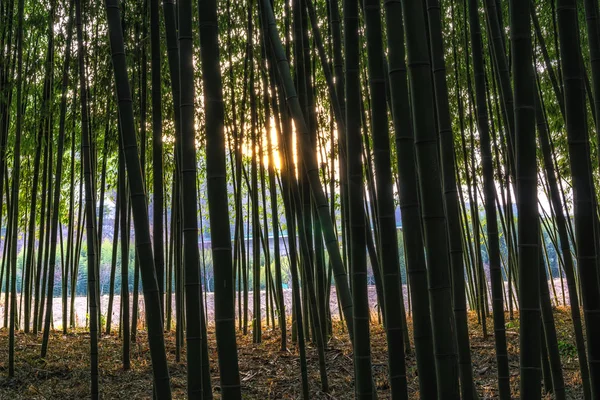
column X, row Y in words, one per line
column 216, row 158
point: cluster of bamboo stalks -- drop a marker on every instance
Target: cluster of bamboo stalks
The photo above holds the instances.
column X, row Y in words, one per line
column 306, row 124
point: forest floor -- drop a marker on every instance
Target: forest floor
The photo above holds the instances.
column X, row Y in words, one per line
column 266, row 372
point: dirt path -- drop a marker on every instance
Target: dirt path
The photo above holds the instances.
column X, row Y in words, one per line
column 81, row 304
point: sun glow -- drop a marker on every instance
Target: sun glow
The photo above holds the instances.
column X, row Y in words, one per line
column 265, row 147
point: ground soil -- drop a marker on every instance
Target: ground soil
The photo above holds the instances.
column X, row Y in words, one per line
column 266, row 372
